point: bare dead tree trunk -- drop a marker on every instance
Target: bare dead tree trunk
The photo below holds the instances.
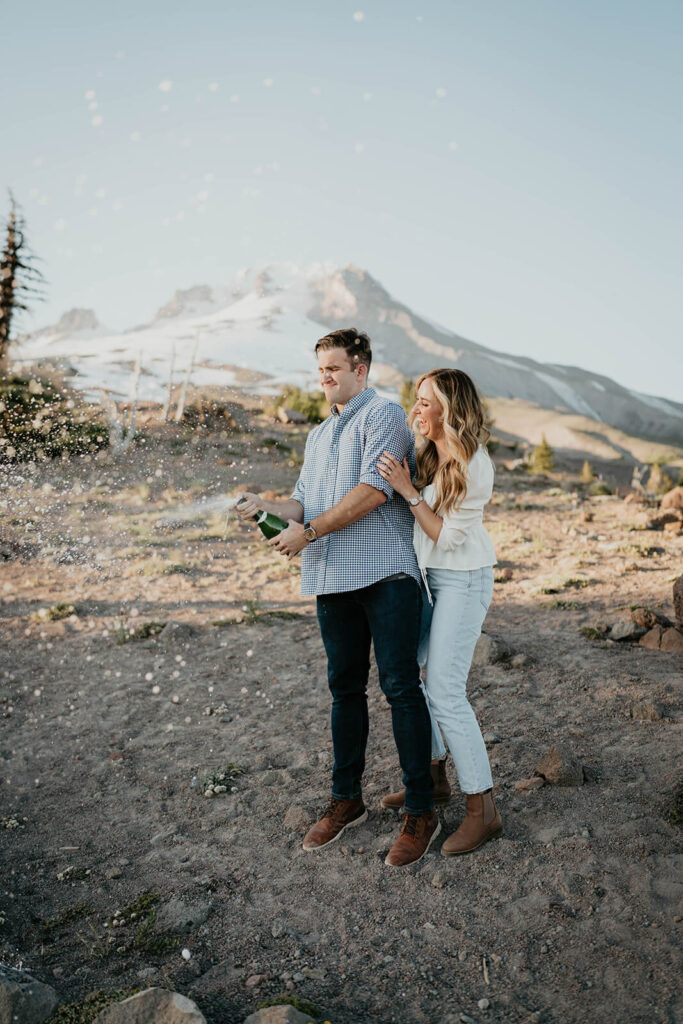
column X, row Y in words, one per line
column 183, row 394
column 165, row 412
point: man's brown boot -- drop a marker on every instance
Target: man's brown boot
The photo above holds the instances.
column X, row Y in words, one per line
column 417, row 833
column 339, row 815
column 441, row 792
column 481, row 823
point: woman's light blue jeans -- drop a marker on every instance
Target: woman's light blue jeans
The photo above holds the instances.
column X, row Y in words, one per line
column 450, row 630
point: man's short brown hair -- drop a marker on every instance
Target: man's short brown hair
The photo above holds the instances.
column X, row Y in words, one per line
column 356, row 343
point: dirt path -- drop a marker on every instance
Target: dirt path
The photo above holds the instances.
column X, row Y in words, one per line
column 571, row 916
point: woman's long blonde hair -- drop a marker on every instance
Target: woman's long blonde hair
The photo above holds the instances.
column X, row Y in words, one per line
column 463, row 424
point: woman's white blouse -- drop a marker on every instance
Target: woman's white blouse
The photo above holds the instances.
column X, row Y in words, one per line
column 464, row 542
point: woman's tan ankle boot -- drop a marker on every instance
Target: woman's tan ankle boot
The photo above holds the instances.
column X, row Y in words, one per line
column 481, row 823
column 441, row 792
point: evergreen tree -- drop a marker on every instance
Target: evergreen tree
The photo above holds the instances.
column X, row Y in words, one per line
column 543, row 457
column 587, row 474
column 658, row 482
column 407, row 394
column 20, row 279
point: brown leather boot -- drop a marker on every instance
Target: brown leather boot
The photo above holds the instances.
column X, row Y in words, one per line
column 339, row 815
column 481, row 823
column 417, row 833
column 441, row 792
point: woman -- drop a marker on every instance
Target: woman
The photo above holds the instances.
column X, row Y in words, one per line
column 453, row 483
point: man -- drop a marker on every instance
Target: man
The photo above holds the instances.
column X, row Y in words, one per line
column 357, row 558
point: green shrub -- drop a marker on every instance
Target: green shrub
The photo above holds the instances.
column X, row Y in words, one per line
column 40, row 421
column 599, row 487
column 658, row 481
column 542, row 458
column 85, row 1011
column 312, row 404
column 407, row 394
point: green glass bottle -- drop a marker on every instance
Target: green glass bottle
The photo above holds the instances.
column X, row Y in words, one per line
column 268, row 523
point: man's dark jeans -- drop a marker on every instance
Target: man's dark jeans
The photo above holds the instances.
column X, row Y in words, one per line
column 388, row 614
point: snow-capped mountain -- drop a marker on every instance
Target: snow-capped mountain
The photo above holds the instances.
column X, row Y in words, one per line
column 259, row 332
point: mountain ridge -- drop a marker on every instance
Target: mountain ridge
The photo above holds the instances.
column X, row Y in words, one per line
column 268, row 318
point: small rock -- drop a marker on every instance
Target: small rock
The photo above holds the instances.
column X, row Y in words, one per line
column 647, row 711
column 489, row 650
column 490, row 739
column 316, row 973
column 646, row 618
column 520, row 660
column 483, row 1004
column 254, row 979
column 653, row 639
column 673, row 518
column 179, row 917
column 290, row 416
column 673, row 498
column 560, row 767
column 278, row 1014
column 439, row 879
column 153, row 1006
column 147, row 972
column 298, row 977
column 297, row 819
column 626, row 629
column 466, row 1019
column 176, row 634
column 672, row 641
column 678, row 601
column 24, row 999
column 114, row 872
column 529, row 785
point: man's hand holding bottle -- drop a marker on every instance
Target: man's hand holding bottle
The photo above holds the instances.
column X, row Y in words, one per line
column 287, row 536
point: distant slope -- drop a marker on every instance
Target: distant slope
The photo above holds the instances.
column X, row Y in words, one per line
column 267, row 321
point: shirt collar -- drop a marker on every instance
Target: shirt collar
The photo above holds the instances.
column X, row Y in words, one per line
column 354, row 403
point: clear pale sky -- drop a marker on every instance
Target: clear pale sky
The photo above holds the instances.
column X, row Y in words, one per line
column 509, row 168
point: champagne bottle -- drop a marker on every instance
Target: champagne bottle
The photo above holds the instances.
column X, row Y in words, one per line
column 268, row 523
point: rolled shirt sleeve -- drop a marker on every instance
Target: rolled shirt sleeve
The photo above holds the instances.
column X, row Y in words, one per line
column 386, row 431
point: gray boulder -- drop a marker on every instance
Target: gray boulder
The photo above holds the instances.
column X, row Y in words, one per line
column 153, row 1006
column 490, row 649
column 24, row 999
column 177, row 634
column 626, row 629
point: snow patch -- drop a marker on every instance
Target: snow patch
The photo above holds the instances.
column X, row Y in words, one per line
column 568, row 395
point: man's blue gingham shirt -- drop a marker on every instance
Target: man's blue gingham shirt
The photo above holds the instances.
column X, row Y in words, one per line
column 340, row 454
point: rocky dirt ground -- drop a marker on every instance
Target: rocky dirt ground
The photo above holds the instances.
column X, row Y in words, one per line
column 106, row 747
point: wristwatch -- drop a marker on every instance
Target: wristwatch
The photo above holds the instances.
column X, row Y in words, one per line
column 415, row 501
column 309, row 532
